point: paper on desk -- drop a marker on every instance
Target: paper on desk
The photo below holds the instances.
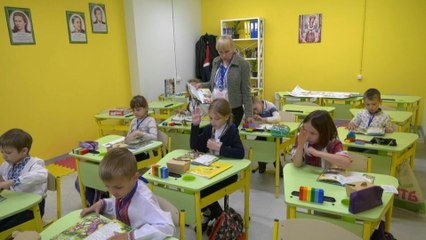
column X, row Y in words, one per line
column 389, row 188
column 113, row 142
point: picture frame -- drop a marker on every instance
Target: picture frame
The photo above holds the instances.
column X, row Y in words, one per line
column 20, row 25
column 98, row 18
column 77, row 31
column 310, row 28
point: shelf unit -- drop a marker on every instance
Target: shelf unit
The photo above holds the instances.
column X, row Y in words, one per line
column 248, row 36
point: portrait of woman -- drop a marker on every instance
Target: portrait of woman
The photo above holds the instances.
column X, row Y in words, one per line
column 20, row 26
column 76, row 27
column 98, row 18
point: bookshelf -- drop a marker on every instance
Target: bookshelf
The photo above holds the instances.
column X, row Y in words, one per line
column 248, row 35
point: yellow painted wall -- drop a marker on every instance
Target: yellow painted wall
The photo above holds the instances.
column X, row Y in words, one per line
column 393, row 51
column 52, row 89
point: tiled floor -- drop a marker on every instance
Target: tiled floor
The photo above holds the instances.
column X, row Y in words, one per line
column 264, row 207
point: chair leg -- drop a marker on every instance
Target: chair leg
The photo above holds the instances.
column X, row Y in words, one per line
column 58, row 198
column 182, row 224
column 276, row 229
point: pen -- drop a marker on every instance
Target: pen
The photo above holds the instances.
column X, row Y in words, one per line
column 169, row 105
column 298, row 111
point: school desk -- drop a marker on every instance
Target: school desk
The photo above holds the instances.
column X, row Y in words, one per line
column 186, row 194
column 401, row 118
column 63, row 224
column 307, row 176
column 164, row 109
column 270, row 151
column 17, row 202
column 179, row 132
column 106, row 122
column 405, row 149
column 405, row 103
column 88, row 164
column 303, row 110
column 322, row 98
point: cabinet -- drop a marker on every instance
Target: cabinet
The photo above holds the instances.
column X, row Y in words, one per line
column 161, row 36
column 248, row 35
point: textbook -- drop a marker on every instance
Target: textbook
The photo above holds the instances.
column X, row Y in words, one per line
column 93, row 227
column 204, row 95
column 209, row 171
column 341, row 177
column 205, row 159
column 372, row 131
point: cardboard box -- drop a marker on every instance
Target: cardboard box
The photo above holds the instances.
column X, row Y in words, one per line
column 177, row 166
column 356, row 186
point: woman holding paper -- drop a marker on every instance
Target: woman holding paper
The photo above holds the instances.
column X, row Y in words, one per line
column 230, row 79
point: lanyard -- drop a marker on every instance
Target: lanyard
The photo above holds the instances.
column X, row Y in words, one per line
column 370, row 120
column 221, row 134
column 221, row 76
column 139, row 122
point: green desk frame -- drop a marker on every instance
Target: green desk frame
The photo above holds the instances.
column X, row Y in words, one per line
column 88, row 164
column 405, row 149
column 17, row 202
column 270, row 151
column 307, row 176
column 405, row 103
column 186, row 194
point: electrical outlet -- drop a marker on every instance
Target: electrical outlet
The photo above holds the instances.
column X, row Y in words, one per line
column 359, row 76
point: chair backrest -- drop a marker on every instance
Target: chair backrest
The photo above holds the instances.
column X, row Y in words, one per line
column 360, row 162
column 163, row 137
column 178, row 217
column 287, row 116
column 292, row 229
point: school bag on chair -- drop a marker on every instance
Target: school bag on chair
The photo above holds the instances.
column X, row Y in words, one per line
column 229, row 225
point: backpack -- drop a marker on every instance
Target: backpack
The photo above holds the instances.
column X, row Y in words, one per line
column 229, row 226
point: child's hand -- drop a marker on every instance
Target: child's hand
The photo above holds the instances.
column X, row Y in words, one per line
column 119, row 236
column 351, row 126
column 196, row 116
column 97, row 207
column 257, row 117
column 302, row 138
column 312, row 152
column 213, row 145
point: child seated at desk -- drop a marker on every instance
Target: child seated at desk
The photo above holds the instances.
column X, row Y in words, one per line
column 265, row 111
column 132, row 202
column 372, row 116
column 221, row 138
column 21, row 173
column 318, row 144
column 142, row 126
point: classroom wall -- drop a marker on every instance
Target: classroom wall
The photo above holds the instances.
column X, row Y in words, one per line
column 53, row 89
column 388, row 51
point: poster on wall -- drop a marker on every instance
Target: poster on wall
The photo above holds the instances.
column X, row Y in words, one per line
column 310, row 28
column 20, row 25
column 76, row 27
column 98, row 18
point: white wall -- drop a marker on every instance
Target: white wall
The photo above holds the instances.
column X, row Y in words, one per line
column 161, row 42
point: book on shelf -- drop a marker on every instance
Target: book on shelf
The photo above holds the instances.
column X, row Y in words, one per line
column 209, row 171
column 204, row 95
column 341, row 177
column 93, row 227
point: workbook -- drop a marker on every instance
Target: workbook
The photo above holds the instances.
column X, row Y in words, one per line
column 205, row 159
column 209, row 171
column 204, row 95
column 340, row 176
column 372, row 131
column 93, row 227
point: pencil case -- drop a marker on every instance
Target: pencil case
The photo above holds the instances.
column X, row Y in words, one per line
column 365, row 199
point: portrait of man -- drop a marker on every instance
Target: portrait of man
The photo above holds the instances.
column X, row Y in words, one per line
column 310, row 28
column 76, row 27
column 20, row 25
column 98, row 18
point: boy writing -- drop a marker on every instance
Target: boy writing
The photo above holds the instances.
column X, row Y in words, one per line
column 372, row 115
column 132, row 202
column 265, row 111
column 21, row 173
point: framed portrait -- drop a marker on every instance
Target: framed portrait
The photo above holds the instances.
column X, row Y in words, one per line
column 76, row 27
column 20, row 25
column 310, row 28
column 98, row 18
